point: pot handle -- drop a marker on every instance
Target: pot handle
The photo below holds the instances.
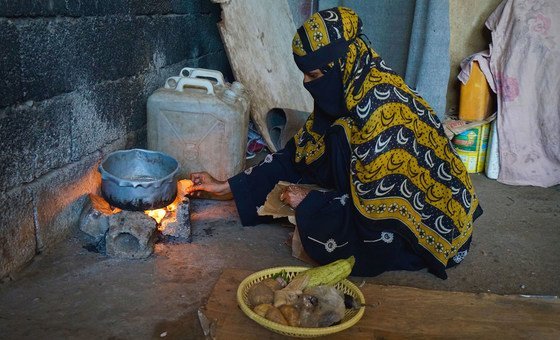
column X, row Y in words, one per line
column 195, row 82
column 190, row 72
column 102, row 172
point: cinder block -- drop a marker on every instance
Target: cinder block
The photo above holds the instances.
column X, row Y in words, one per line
column 16, row 128
column 23, row 8
column 72, row 8
column 219, row 62
column 106, row 113
column 165, row 36
column 100, row 8
column 94, row 123
column 64, row 54
column 158, row 74
column 129, row 141
column 125, row 99
column 199, row 8
column 48, row 57
column 131, row 235
column 10, row 68
column 181, row 37
column 151, row 7
column 111, row 47
column 60, row 197
column 59, row 56
column 210, row 41
column 194, row 8
column 137, row 139
column 94, row 220
column 34, row 139
column 17, row 231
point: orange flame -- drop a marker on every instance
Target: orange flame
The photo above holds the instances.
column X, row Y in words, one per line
column 157, row 214
column 183, row 187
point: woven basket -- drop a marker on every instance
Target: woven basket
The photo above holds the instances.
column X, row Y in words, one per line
column 351, row 317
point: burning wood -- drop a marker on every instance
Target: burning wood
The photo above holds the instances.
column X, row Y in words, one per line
column 174, row 220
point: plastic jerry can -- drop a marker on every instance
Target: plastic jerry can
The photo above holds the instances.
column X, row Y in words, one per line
column 217, row 78
column 202, row 123
column 475, row 99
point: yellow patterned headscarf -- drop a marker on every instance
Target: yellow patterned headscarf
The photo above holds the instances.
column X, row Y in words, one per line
column 403, row 167
column 325, row 36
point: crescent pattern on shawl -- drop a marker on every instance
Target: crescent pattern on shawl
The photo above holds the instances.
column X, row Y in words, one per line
column 416, row 171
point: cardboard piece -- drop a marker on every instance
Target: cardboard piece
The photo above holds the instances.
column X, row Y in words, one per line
column 454, row 126
column 274, row 207
column 257, row 36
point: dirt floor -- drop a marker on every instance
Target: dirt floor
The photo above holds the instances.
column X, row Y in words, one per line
column 69, row 292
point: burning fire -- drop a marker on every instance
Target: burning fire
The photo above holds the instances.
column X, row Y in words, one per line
column 159, row 214
column 183, row 187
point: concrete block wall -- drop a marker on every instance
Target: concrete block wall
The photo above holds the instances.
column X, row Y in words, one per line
column 74, row 79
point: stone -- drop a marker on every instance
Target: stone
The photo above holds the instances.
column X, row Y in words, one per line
column 178, row 225
column 94, row 221
column 131, row 235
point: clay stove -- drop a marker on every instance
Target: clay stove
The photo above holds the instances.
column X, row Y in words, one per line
column 133, row 234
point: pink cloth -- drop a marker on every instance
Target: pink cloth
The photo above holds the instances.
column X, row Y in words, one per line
column 525, row 62
column 483, row 59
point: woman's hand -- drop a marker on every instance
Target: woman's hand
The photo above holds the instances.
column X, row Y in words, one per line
column 204, row 182
column 293, row 195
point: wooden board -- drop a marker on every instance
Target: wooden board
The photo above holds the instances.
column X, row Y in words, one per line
column 395, row 312
column 257, row 35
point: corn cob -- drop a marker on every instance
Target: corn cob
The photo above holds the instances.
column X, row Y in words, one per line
column 329, row 274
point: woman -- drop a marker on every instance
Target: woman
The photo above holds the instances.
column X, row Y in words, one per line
column 399, row 199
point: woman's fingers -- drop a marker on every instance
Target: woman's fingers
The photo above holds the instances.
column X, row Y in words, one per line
column 293, row 195
column 203, row 181
column 200, row 181
column 284, row 195
column 198, row 178
column 287, row 196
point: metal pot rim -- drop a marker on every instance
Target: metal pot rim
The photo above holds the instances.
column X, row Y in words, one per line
column 106, row 175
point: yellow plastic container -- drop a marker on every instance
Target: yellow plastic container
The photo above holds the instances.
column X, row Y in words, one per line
column 471, row 146
column 475, row 101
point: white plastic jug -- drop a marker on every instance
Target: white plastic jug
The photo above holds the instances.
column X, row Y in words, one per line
column 493, row 156
column 202, row 123
column 203, row 73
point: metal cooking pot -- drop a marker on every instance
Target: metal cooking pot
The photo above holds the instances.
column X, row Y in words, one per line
column 139, row 179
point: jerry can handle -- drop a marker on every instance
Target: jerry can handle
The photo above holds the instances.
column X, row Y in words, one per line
column 171, row 83
column 195, row 82
column 191, row 72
